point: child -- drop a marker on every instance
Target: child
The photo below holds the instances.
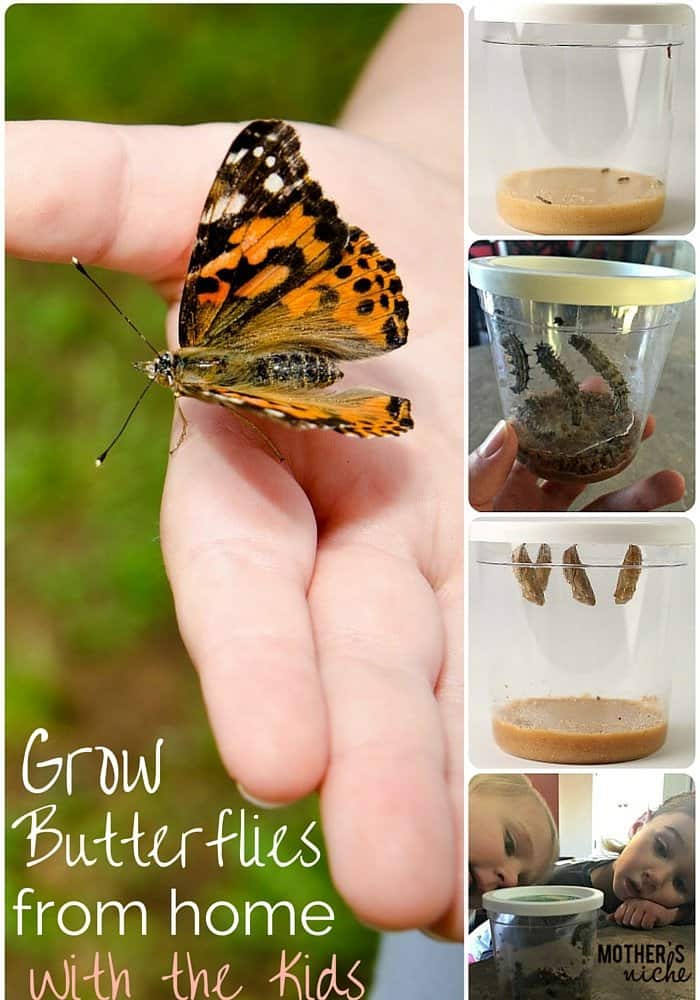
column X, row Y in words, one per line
column 512, row 836
column 513, row 840
column 652, row 882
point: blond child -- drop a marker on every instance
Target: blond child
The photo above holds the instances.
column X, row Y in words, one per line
column 512, row 836
column 652, row 881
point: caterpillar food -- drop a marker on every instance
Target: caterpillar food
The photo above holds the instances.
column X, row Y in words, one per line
column 517, row 356
column 577, row 578
column 605, row 367
column 527, row 576
column 560, row 374
column 629, row 574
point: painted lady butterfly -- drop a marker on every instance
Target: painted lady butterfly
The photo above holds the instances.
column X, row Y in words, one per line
column 279, row 290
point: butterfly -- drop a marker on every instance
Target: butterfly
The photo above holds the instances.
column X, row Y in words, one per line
column 279, row 291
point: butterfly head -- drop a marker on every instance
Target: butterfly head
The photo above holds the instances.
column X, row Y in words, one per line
column 159, row 370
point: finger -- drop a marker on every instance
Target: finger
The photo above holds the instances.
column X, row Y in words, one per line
column 560, row 496
column 384, row 800
column 490, row 465
column 450, row 695
column 656, row 491
column 649, row 427
column 520, row 492
column 238, row 541
column 636, row 920
column 124, row 197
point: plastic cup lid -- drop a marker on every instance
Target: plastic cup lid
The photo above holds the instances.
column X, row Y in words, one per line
column 585, row 13
column 583, row 530
column 581, row 281
column 543, row 900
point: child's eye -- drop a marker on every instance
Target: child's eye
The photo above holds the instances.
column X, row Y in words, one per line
column 660, row 847
column 509, row 844
column 680, row 886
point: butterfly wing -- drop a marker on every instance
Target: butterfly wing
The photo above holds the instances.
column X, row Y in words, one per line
column 352, row 311
column 355, row 412
column 265, row 229
column 274, row 268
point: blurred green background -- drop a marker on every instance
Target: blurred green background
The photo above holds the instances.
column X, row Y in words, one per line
column 93, row 654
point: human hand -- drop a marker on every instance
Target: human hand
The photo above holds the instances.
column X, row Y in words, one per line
column 498, row 482
column 643, row 913
column 319, row 599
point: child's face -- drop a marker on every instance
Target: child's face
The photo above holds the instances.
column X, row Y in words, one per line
column 659, row 862
column 509, row 841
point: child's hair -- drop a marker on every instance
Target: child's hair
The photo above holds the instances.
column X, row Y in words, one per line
column 517, row 786
column 684, row 803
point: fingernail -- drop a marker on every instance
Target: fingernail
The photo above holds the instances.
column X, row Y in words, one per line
column 494, row 442
column 245, row 794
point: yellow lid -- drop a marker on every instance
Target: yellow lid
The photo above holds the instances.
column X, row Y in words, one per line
column 581, row 281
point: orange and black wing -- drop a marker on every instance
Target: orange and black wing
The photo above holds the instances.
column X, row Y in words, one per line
column 275, row 268
column 361, row 413
column 351, row 311
column 265, row 230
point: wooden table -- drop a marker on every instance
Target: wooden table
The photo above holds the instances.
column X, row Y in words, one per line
column 609, row 981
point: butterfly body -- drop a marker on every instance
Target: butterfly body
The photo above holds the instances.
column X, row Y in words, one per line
column 279, row 290
column 193, row 370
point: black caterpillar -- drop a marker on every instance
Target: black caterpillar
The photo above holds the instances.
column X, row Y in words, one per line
column 560, row 374
column 517, row 356
column 605, row 367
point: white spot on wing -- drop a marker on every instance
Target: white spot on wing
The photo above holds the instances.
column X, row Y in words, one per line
column 258, row 152
column 224, row 206
column 234, row 159
column 270, row 161
column 237, row 202
column 273, row 183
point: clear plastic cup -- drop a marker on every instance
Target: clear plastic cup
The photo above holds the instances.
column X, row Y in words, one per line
column 581, row 99
column 575, row 622
column 578, row 347
column 544, row 940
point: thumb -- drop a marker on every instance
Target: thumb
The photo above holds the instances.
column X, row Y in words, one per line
column 490, row 465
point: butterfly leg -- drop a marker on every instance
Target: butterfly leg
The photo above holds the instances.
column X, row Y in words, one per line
column 184, row 422
column 265, row 439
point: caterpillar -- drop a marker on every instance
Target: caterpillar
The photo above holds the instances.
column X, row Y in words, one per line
column 560, row 374
column 517, row 356
column 577, row 578
column 605, row 367
column 544, row 558
column 527, row 576
column 629, row 574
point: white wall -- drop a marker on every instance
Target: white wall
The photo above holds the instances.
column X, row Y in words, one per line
column 576, row 815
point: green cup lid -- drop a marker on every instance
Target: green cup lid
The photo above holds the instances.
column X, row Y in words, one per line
column 543, row 900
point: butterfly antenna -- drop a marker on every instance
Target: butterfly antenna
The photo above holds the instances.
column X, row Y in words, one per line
column 100, row 458
column 111, row 301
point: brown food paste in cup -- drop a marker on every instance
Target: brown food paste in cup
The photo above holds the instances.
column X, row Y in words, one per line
column 582, row 730
column 583, row 200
